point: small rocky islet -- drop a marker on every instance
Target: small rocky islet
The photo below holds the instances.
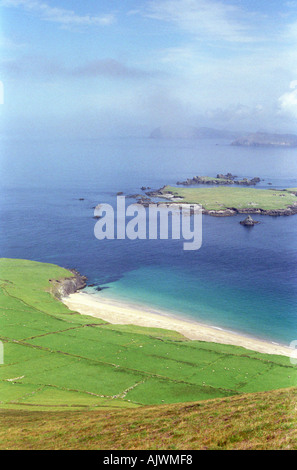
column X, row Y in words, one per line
column 249, row 222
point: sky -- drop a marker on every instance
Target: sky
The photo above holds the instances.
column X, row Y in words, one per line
column 114, row 67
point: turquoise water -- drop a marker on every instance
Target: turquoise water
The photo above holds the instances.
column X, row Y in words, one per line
column 241, row 279
column 215, row 304
column 250, row 290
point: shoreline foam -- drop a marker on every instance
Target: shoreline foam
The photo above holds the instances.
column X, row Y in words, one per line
column 119, row 312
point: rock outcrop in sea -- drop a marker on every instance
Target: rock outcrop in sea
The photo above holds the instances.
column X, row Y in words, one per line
column 249, row 221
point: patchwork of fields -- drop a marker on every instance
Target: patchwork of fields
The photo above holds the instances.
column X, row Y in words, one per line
column 55, row 358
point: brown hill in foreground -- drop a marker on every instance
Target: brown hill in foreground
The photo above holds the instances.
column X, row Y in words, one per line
column 265, row 420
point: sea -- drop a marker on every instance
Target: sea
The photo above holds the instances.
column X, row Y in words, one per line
column 241, row 279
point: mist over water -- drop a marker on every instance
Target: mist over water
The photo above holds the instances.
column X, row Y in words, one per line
column 241, row 279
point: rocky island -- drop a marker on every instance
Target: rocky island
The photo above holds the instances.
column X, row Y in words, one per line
column 219, row 179
column 224, row 201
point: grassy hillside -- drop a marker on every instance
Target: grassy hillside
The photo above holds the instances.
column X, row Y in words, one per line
column 55, row 358
column 217, row 198
column 253, row 421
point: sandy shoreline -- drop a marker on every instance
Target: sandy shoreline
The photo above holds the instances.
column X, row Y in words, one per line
column 117, row 312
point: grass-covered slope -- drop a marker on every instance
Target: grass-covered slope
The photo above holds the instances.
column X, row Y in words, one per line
column 55, row 358
column 266, row 420
column 220, row 198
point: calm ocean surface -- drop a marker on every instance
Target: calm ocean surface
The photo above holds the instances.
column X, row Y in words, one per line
column 241, row 279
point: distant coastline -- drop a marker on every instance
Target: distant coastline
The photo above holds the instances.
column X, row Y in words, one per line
column 241, row 139
column 264, row 139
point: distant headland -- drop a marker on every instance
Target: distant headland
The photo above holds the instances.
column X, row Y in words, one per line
column 190, row 132
column 242, row 139
column 262, row 139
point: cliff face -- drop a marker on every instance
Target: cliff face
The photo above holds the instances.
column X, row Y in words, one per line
column 262, row 139
column 70, row 285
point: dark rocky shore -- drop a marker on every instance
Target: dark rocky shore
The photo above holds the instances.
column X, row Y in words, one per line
column 69, row 285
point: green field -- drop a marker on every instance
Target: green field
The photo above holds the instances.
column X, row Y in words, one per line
column 55, row 358
column 220, row 198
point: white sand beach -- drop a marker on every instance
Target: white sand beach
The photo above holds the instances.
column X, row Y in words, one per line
column 118, row 312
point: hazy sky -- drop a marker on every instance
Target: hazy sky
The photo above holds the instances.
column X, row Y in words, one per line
column 96, row 67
